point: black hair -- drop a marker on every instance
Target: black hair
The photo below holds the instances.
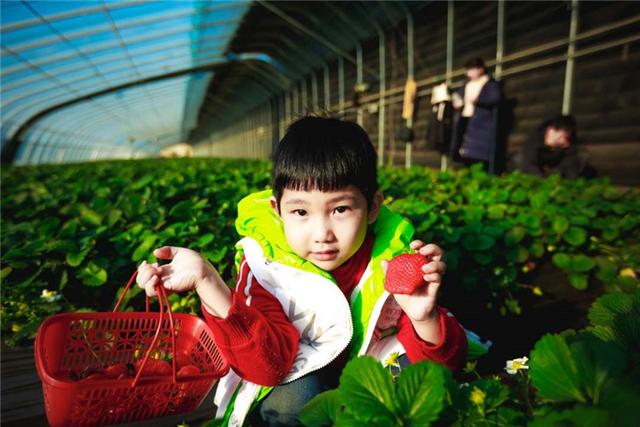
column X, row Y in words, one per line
column 475, row 63
column 566, row 123
column 326, row 154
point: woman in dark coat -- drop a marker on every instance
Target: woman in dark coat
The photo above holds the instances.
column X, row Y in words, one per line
column 474, row 134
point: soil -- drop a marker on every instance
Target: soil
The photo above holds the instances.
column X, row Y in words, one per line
column 560, row 307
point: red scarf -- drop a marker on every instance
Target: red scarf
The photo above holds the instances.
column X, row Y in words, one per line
column 348, row 274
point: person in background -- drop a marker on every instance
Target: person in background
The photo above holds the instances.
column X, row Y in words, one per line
column 474, row 131
column 552, row 148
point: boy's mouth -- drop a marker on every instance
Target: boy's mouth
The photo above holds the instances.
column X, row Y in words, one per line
column 325, row 255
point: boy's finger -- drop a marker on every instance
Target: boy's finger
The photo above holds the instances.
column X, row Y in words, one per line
column 435, row 266
column 385, row 264
column 432, row 278
column 416, row 244
column 432, row 291
column 166, row 252
column 150, row 286
column 433, row 251
column 145, row 271
column 144, row 274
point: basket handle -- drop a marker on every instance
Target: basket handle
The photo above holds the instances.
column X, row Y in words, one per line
column 162, row 301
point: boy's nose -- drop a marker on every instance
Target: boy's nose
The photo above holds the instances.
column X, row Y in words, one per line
column 322, row 232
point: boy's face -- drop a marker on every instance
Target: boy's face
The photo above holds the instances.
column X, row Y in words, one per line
column 326, row 228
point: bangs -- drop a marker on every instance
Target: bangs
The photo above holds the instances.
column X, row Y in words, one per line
column 324, row 155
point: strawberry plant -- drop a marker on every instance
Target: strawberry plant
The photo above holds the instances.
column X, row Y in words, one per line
column 72, row 234
column 584, row 378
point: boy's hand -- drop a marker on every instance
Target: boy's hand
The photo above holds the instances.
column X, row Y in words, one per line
column 188, row 270
column 185, row 272
column 421, row 305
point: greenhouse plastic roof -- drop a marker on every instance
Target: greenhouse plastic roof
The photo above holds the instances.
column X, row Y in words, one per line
column 129, row 77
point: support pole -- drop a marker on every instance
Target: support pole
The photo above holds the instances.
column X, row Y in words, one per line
column 314, row 91
column 450, row 16
column 304, row 108
column 341, row 85
column 499, row 41
column 408, row 148
column 327, row 87
column 381, row 95
column 567, row 98
column 360, row 115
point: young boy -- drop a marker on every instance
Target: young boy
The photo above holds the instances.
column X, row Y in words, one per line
column 310, row 289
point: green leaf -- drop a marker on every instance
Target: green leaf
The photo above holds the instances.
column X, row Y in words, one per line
column 421, row 393
column 496, row 211
column 64, row 279
column 519, row 196
column 523, row 254
column 539, row 200
column 604, row 309
column 580, row 416
column 113, row 217
column 93, row 275
column 366, row 388
column 484, row 257
column 536, row 249
column 90, row 216
column 554, row 372
column 74, row 259
column 142, row 182
column 575, row 368
column 621, row 397
column 142, row 251
column 597, row 362
column 204, row 240
column 322, row 410
column 575, row 236
column 607, row 270
column 616, row 317
column 4, row 273
column 579, row 281
column 610, row 234
column 182, row 209
column 530, row 221
column 478, row 242
column 515, row 235
column 560, row 225
column 582, row 263
column 562, row 261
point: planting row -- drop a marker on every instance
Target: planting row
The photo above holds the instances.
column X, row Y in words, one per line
column 73, row 234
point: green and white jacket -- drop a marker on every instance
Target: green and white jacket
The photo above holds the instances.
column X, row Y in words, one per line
column 315, row 305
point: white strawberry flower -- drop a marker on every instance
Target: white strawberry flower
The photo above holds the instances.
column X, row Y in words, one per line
column 49, row 296
column 515, row 365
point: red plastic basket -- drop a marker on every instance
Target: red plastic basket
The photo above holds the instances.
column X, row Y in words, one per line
column 69, row 345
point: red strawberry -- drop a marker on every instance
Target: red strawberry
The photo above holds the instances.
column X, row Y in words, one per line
column 116, row 370
column 188, row 370
column 96, row 376
column 154, row 367
column 404, row 274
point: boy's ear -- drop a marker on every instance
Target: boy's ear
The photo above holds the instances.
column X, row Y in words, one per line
column 274, row 205
column 376, row 204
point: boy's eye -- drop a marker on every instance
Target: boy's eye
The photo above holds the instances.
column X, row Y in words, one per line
column 342, row 209
column 299, row 212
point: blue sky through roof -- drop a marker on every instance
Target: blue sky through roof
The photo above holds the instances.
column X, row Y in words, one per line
column 56, row 51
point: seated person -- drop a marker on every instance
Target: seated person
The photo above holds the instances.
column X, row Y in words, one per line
column 552, row 148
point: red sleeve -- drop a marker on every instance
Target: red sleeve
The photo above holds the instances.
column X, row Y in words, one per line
column 450, row 351
column 256, row 337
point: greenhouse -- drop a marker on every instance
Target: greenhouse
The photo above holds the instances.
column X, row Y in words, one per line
column 380, row 213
